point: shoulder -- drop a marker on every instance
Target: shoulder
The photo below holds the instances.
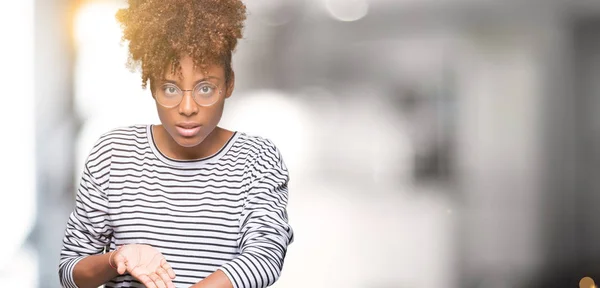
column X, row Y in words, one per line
column 261, row 152
column 122, row 135
column 258, row 146
column 102, row 149
column 125, row 133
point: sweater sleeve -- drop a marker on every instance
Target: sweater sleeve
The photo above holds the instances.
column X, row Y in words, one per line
column 264, row 230
column 87, row 231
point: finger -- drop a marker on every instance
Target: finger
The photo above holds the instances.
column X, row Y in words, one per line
column 157, row 280
column 146, row 281
column 121, row 268
column 165, row 277
column 165, row 265
column 119, row 261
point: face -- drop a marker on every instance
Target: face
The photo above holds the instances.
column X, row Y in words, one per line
column 190, row 123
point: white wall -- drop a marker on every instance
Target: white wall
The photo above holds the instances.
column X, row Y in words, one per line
column 17, row 168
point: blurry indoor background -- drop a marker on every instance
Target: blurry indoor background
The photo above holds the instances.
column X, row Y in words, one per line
column 431, row 143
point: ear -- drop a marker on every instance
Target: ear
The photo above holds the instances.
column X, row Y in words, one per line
column 230, row 85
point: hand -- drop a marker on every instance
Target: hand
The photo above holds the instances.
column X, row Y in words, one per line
column 145, row 263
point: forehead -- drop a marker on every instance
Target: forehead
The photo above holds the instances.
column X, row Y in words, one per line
column 194, row 82
column 186, row 69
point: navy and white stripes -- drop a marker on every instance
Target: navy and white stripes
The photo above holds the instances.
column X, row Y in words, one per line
column 226, row 212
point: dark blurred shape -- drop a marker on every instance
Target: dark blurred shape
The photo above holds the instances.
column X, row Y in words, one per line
column 573, row 225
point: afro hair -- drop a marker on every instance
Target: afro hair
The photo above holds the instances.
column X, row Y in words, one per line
column 159, row 32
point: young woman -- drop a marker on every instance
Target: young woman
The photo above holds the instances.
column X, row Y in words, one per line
column 185, row 203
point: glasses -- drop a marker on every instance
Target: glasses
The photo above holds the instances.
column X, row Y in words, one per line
column 204, row 94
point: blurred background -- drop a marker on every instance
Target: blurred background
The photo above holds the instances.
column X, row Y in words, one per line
column 431, row 143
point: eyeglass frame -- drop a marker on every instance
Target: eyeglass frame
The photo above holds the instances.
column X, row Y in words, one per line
column 220, row 91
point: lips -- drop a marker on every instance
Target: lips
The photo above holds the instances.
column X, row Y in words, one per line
column 188, row 129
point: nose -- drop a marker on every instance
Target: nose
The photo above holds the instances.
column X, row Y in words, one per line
column 188, row 106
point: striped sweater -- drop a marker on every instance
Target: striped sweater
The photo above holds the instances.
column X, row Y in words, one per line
column 226, row 211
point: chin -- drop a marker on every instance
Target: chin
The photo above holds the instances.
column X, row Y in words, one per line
column 189, row 142
column 186, row 142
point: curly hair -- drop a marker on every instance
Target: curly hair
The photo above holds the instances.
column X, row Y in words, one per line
column 159, row 32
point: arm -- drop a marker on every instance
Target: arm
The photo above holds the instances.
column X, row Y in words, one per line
column 264, row 230
column 93, row 271
column 87, row 234
column 217, row 279
column 88, row 231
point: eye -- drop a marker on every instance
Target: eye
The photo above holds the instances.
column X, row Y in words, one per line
column 205, row 90
column 170, row 90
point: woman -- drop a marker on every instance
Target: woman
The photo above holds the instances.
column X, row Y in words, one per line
column 185, row 203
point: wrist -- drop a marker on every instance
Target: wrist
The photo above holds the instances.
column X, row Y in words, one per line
column 111, row 262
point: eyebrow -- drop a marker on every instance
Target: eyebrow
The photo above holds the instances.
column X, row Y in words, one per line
column 195, row 83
